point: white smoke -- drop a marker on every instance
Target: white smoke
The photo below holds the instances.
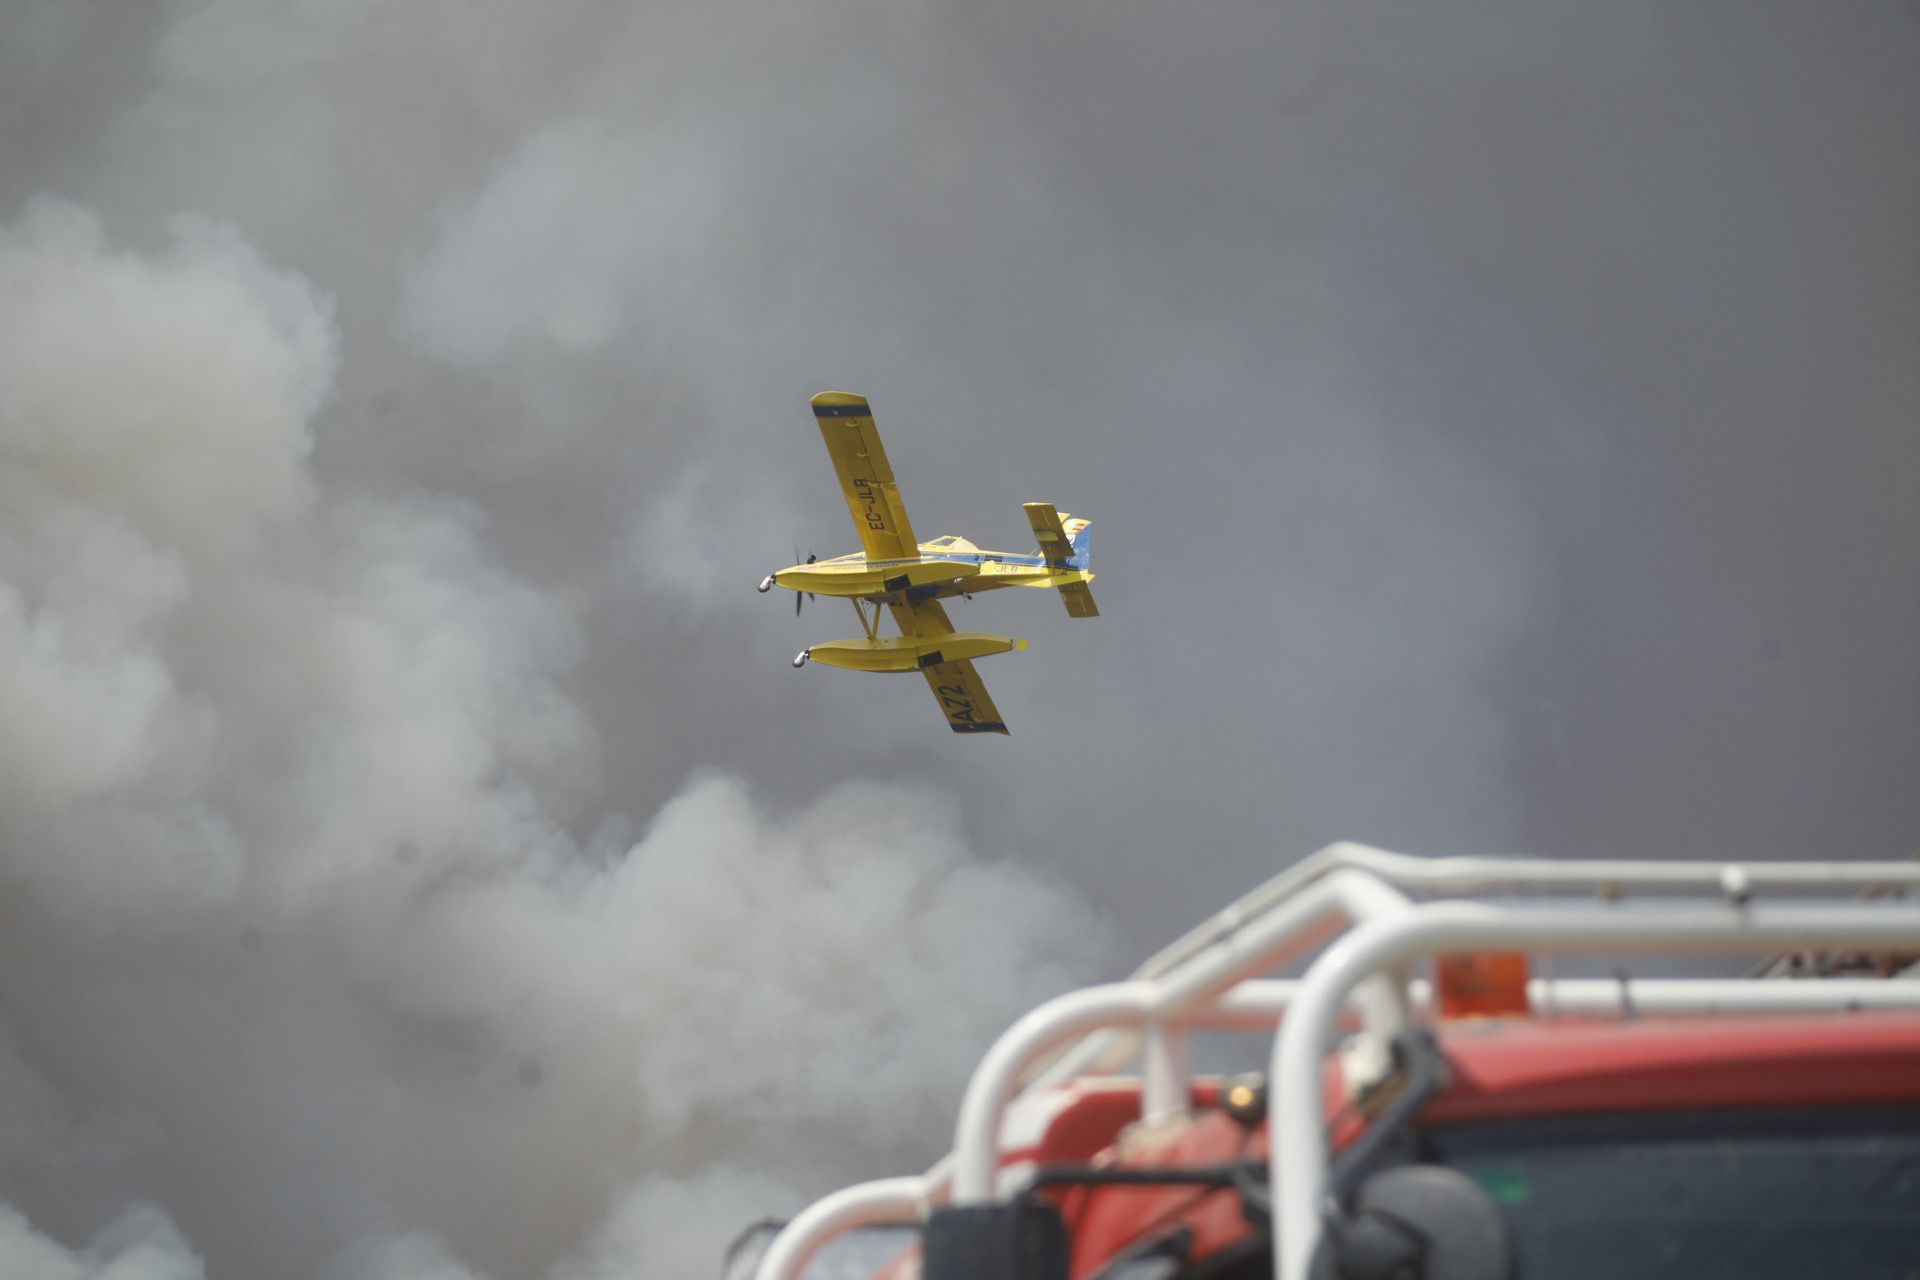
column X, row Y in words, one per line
column 673, row 1223
column 141, row 1244
column 298, row 941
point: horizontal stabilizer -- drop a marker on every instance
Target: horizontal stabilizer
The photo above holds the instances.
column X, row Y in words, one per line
column 1050, row 533
column 1079, row 600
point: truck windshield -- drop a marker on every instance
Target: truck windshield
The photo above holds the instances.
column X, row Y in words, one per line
column 1705, row 1195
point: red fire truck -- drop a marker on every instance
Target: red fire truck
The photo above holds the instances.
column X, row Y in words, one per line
column 1451, row 1091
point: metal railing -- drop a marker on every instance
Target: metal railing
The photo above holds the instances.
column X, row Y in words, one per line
column 1374, row 914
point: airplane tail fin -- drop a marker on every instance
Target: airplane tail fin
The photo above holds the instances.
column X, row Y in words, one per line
column 1065, row 545
column 1080, row 536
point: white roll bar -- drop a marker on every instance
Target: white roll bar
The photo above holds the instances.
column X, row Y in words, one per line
column 1298, row 1127
column 1369, row 907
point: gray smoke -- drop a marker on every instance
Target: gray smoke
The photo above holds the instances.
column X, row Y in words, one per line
column 416, row 858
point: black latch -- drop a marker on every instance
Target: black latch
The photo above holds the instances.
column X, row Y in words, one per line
column 1019, row 1241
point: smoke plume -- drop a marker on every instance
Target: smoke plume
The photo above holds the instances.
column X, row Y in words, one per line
column 295, row 937
column 417, row 859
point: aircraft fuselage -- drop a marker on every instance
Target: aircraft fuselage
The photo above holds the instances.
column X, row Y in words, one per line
column 939, row 571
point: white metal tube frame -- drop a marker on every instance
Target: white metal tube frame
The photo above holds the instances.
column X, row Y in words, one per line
column 1185, row 989
column 1480, row 874
column 886, row 1202
column 895, row 1201
column 1193, row 983
column 1257, row 1004
column 1297, row 1122
column 1403, row 874
column 1322, row 897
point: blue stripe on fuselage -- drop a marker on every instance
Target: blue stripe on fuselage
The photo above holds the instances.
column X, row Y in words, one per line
column 965, row 557
column 933, row 590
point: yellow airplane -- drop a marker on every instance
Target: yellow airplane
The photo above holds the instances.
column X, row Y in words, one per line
column 911, row 577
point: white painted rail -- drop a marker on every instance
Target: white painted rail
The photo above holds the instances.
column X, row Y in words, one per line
column 1373, row 915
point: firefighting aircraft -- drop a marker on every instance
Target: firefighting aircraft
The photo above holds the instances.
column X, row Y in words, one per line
column 910, row 577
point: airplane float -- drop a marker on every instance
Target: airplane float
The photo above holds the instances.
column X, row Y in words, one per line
column 910, row 577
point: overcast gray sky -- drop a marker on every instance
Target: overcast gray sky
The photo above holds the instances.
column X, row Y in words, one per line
column 1500, row 421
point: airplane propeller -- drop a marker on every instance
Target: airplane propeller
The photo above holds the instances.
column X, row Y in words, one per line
column 766, row 583
column 796, row 595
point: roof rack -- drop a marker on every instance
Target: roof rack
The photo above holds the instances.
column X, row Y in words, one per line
column 1372, row 916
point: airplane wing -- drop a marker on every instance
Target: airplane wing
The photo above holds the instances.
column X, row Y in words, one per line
column 963, row 699
column 956, row 685
column 846, row 422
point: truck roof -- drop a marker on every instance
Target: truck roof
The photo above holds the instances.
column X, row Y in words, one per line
column 1527, row 1067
